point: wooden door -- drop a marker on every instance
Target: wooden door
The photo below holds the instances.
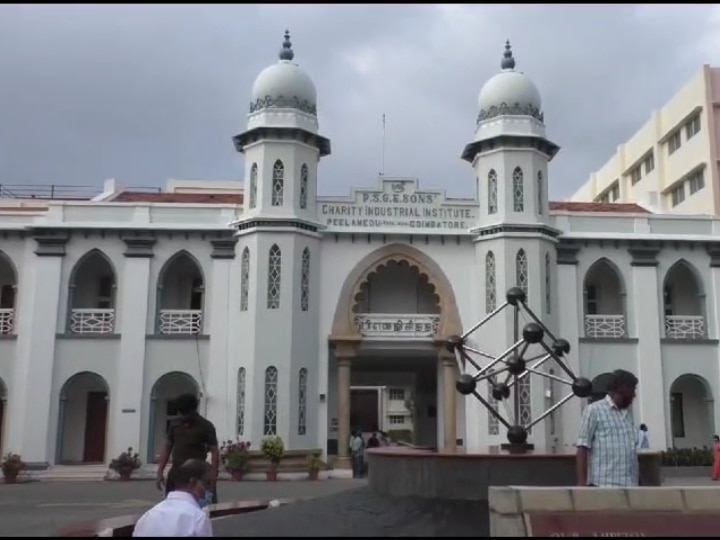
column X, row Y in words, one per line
column 95, row 427
column 364, row 410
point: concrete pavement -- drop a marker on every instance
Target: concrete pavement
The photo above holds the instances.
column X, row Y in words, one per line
column 43, row 508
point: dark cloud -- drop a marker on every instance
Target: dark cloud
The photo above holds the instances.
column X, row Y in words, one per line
column 146, row 93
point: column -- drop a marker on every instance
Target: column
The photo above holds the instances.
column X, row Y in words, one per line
column 31, row 431
column 570, row 316
column 651, row 389
column 713, row 307
column 449, row 367
column 343, row 358
column 127, row 396
column 221, row 406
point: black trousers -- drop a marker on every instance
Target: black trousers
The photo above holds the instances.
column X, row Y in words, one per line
column 170, row 485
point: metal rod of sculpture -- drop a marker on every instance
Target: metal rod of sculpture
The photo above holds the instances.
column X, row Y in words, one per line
column 516, row 367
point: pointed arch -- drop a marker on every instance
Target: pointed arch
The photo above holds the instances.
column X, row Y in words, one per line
column 245, row 279
column 274, row 277
column 253, row 185
column 343, row 323
column 492, row 192
column 684, row 302
column 241, row 383
column 278, row 183
column 305, row 280
column 490, row 283
column 540, row 193
column 521, row 270
column 304, row 174
column 180, row 295
column 8, row 270
column 270, row 413
column 8, row 294
column 518, row 190
column 92, row 294
column 302, row 401
column 548, row 284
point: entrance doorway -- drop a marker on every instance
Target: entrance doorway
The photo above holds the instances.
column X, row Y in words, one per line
column 162, row 409
column 3, row 398
column 364, row 409
column 95, row 427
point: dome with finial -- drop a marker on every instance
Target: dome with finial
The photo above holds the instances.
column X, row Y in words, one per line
column 284, row 85
column 510, row 92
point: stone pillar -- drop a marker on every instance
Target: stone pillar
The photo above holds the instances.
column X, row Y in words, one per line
column 220, row 402
column 31, row 430
column 713, row 306
column 570, row 315
column 126, row 398
column 449, row 366
column 343, row 358
column 653, row 399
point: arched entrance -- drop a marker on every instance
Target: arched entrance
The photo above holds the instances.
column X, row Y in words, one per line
column 3, row 400
column 162, row 410
column 83, row 419
column 394, row 311
column 691, row 412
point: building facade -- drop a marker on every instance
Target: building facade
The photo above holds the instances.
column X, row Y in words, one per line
column 671, row 163
column 304, row 316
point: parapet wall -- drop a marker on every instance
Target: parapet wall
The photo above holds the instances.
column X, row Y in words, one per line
column 578, row 511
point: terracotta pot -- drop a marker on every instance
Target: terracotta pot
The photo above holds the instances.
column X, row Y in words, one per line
column 237, row 475
column 271, row 474
column 11, row 477
column 125, row 474
column 313, row 475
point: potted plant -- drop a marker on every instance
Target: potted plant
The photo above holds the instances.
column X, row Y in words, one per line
column 126, row 463
column 273, row 450
column 314, row 466
column 235, row 457
column 12, row 464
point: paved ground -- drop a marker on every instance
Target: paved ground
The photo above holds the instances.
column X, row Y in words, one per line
column 42, row 508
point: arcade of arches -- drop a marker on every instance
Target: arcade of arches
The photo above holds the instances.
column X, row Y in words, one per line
column 393, row 372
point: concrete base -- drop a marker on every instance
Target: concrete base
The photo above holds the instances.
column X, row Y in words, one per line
column 405, row 472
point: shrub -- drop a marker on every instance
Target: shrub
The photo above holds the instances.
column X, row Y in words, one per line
column 12, row 464
column 687, row 457
column 126, row 461
column 235, row 455
column 273, row 449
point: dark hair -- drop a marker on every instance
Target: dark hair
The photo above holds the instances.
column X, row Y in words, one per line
column 643, row 427
column 187, row 403
column 621, row 379
column 192, row 469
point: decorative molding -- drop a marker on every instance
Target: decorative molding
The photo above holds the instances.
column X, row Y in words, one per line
column 139, row 246
column 259, row 222
column 51, row 243
column 543, row 230
column 281, row 102
column 644, row 255
column 282, row 133
column 567, row 254
column 523, row 142
column 510, row 110
column 223, row 248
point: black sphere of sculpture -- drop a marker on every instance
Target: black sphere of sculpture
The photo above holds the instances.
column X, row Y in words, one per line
column 500, row 391
column 561, row 347
column 515, row 296
column 582, row 387
column 516, row 366
column 533, row 333
column 454, row 342
column 517, row 435
column 466, row 384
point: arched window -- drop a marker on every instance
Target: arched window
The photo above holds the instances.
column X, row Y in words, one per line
column 492, row 192
column 274, row 277
column 490, row 292
column 278, row 183
column 270, row 412
column 525, row 399
column 493, row 423
column 305, row 280
column 245, row 279
column 303, row 186
column 302, row 401
column 241, row 402
column 518, row 190
column 540, row 189
column 548, row 292
column 253, row 185
column 521, row 271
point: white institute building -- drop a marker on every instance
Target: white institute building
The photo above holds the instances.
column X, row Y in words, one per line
column 305, row 316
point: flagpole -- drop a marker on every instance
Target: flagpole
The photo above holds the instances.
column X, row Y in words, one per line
column 382, row 173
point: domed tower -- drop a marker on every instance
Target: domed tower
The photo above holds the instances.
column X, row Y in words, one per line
column 515, row 245
column 276, row 341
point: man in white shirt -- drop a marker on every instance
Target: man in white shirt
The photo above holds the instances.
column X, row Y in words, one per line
column 181, row 513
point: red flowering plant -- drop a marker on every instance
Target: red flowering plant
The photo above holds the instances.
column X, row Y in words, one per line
column 235, row 455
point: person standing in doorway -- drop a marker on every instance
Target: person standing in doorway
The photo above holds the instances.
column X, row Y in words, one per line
column 357, row 448
column 607, row 445
column 643, row 438
column 193, row 437
column 716, row 458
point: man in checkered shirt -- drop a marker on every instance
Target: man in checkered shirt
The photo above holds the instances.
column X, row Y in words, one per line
column 607, row 446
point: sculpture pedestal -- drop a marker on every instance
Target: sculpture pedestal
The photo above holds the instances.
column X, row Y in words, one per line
column 409, row 472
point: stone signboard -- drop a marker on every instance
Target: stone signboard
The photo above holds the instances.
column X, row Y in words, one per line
column 622, row 524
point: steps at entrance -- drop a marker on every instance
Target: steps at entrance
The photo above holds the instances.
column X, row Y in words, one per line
column 71, row 473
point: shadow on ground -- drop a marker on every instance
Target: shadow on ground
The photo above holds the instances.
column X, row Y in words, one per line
column 359, row 512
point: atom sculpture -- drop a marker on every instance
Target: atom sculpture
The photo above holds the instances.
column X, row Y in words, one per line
column 515, row 367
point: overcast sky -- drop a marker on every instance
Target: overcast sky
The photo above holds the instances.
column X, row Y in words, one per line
column 146, row 93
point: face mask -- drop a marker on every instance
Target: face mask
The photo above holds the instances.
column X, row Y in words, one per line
column 207, row 499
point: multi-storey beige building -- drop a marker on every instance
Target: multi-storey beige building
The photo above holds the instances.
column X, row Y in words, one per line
column 671, row 163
